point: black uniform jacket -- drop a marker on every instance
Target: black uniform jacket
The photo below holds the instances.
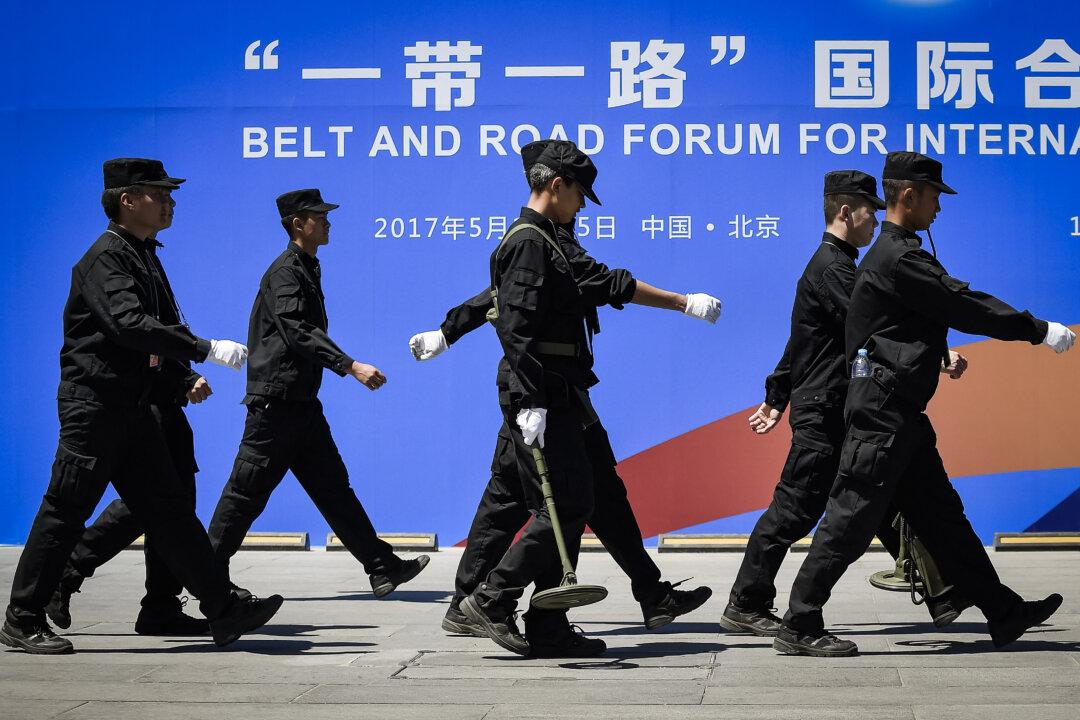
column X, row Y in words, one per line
column 114, row 324
column 812, row 368
column 902, row 307
column 176, row 377
column 546, row 300
column 287, row 341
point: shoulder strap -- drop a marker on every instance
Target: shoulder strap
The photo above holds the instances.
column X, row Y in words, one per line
column 493, row 313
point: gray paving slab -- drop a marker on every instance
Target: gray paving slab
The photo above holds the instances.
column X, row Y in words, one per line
column 335, row 652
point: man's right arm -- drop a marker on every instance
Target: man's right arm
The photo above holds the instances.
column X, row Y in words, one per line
column 778, row 384
column 466, row 317
column 522, row 301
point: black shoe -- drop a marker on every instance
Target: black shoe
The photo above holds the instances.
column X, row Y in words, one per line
column 383, row 585
column 171, row 625
column 503, row 630
column 1023, row 617
column 243, row 616
column 756, row 622
column 455, row 623
column 821, row 644
column 59, row 607
column 946, row 608
column 671, row 603
column 37, row 640
column 563, row 641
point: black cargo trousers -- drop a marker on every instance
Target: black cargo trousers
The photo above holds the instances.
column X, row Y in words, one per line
column 503, row 511
column 100, row 444
column 117, row 526
column 282, row 435
column 889, row 460
column 817, row 434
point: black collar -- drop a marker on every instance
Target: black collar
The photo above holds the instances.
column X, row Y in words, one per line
column 130, row 239
column 850, row 250
column 893, row 229
column 531, row 216
column 308, row 260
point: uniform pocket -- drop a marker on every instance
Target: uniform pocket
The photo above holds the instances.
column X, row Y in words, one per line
column 523, row 290
column 809, row 463
column 865, row 456
column 73, row 478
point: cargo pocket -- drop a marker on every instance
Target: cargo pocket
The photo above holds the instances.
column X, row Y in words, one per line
column 72, row 479
column 121, row 294
column 290, row 304
column 808, row 464
column 246, row 470
column 865, row 457
column 523, row 290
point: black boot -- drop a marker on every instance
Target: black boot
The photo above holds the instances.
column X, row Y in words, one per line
column 944, row 609
column 36, row 640
column 501, row 627
column 819, row 644
column 756, row 622
column 383, row 585
column 455, row 622
column 562, row 640
column 243, row 616
column 668, row 603
column 1024, row 616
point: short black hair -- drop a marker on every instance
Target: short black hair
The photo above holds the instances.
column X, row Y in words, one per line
column 893, row 188
column 286, row 222
column 110, row 201
column 833, row 203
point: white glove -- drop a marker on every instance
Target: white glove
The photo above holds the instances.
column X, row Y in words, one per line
column 532, row 422
column 1059, row 337
column 427, row 345
column 227, row 353
column 702, row 306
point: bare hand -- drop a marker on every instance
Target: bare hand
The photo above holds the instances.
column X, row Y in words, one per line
column 956, row 367
column 368, row 375
column 762, row 421
column 199, row 391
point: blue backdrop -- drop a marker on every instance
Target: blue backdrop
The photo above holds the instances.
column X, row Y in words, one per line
column 203, row 87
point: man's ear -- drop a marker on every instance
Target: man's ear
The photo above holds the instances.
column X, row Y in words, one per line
column 555, row 185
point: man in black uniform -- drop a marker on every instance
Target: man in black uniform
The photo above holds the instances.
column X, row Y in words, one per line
column 115, row 346
column 285, row 427
column 502, row 510
column 117, row 527
column 902, row 307
column 813, row 376
column 543, row 381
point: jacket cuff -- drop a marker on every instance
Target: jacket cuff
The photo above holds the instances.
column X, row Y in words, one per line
column 1039, row 333
column 451, row 335
column 202, row 349
column 341, row 365
column 776, row 400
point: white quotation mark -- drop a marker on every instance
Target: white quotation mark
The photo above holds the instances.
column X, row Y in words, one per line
column 267, row 60
column 722, row 43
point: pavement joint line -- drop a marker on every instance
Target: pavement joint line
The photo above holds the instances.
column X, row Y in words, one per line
column 65, row 712
column 151, row 671
column 313, row 687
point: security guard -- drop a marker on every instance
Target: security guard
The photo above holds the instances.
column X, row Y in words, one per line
column 542, row 324
column 117, row 527
column 115, row 347
column 813, row 376
column 502, row 511
column 286, row 428
column 902, row 307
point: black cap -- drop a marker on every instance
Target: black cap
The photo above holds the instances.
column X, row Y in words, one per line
column 309, row 200
column 853, row 182
column 565, row 159
column 914, row 166
column 122, row 172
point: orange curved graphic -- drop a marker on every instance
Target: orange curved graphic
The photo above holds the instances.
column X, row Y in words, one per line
column 1016, row 408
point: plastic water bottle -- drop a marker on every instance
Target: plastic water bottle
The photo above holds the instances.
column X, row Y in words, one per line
column 861, row 366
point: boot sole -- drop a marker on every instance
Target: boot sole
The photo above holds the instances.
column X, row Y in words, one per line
column 947, row 619
column 474, row 613
column 740, row 627
column 788, row 648
column 31, row 649
column 456, row 628
column 381, row 591
column 659, row 621
column 256, row 623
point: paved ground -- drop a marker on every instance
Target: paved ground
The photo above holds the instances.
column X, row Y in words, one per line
column 335, row 652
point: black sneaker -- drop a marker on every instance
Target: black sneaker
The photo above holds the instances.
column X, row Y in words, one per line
column 243, row 616
column 563, row 641
column 670, row 603
column 1026, row 615
column 59, row 607
column 171, row 625
column 455, row 623
column 946, row 608
column 37, row 640
column 503, row 630
column 756, row 622
column 821, row 644
column 383, row 585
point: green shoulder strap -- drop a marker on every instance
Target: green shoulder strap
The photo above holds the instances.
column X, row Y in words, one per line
column 493, row 313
